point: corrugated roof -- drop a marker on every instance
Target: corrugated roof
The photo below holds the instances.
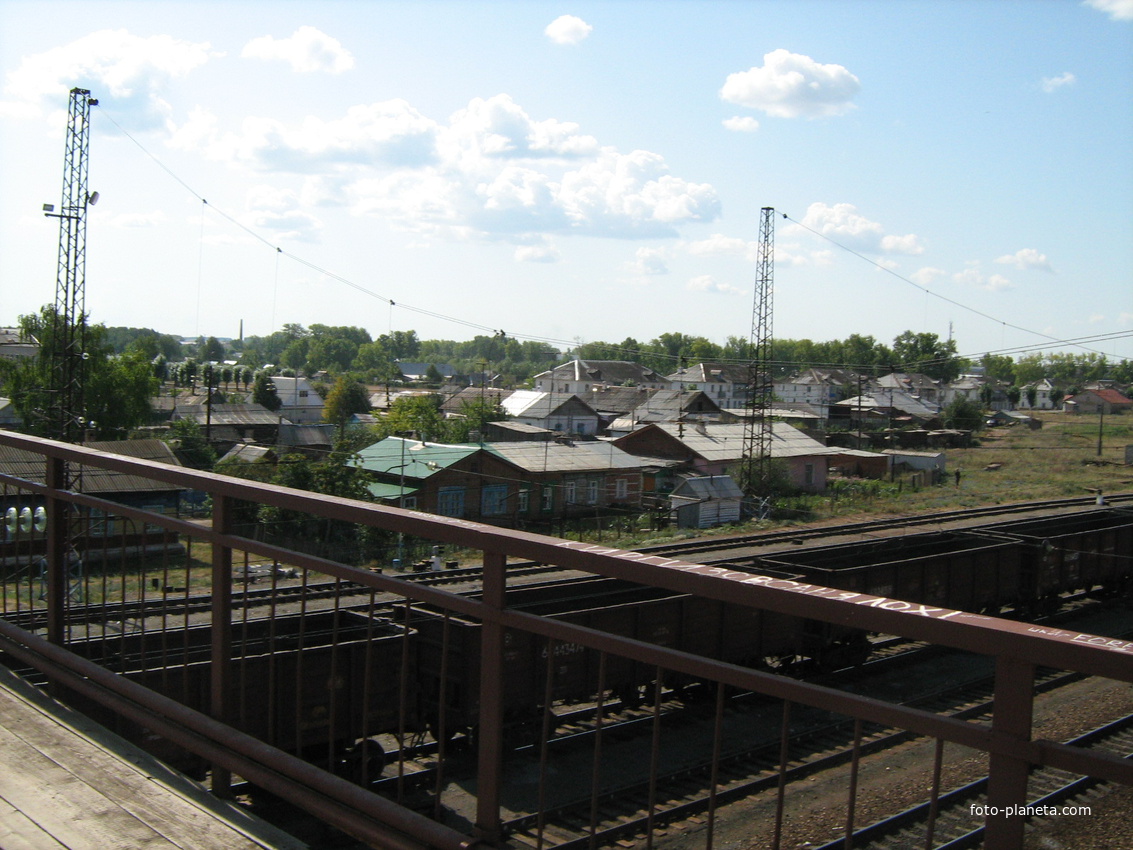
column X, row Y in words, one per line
column 725, row 442
column 418, row 459
column 708, row 487
column 31, row 467
column 565, row 457
column 228, row 414
column 537, row 405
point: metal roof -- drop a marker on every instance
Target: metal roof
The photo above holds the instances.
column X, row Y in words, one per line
column 725, row 442
column 414, row 459
column 30, row 467
column 538, row 405
column 583, row 456
column 228, row 414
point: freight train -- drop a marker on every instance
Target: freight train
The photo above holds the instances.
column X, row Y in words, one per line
column 327, row 684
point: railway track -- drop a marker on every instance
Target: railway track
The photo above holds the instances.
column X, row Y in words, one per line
column 948, row 822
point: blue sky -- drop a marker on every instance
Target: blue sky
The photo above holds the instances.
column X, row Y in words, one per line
column 583, row 171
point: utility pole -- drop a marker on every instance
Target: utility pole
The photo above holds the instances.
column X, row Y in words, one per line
column 757, row 426
column 66, row 419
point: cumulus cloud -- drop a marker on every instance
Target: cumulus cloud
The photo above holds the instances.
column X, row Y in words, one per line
column 1051, row 84
column 541, row 253
column 125, row 72
column 491, row 171
column 1119, row 10
column 720, row 245
column 927, row 276
column 789, row 85
column 651, row 262
column 741, row 124
column 279, row 211
column 567, row 29
column 707, row 283
column 1027, row 258
column 975, row 277
column 844, row 224
column 306, row 50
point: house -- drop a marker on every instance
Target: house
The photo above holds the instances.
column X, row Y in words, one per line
column 579, row 377
column 718, row 449
column 311, row 440
column 1042, row 391
column 817, row 387
column 706, row 501
column 884, row 408
column 566, row 478
column 1104, row 402
column 914, row 384
column 669, row 406
column 232, row 423
column 567, row 414
column 503, row 483
column 420, row 371
column 299, row 402
column 453, row 404
column 449, row 480
column 15, row 345
column 9, row 418
column 725, row 383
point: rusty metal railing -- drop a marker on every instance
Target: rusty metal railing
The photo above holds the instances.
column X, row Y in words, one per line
column 367, row 699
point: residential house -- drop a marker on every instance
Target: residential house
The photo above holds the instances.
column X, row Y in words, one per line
column 1042, row 390
column 726, row 384
column 567, row 478
column 312, row 440
column 817, row 387
column 579, row 377
column 718, row 449
column 567, row 414
column 1104, row 402
column 299, row 402
column 706, row 501
column 884, row 408
column 914, row 384
column 420, row 371
column 669, row 406
column 232, row 423
column 15, row 345
column 453, row 403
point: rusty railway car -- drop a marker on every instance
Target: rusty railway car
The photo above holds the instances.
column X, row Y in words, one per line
column 320, row 685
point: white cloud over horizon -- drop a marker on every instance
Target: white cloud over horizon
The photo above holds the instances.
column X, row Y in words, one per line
column 1119, row 10
column 1052, row 84
column 1026, row 258
column 845, row 225
column 789, row 85
column 707, row 283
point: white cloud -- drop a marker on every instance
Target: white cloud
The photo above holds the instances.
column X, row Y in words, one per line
column 1026, row 258
column 741, row 124
column 567, row 29
column 789, row 85
column 707, row 283
column 492, row 171
column 720, row 245
column 543, row 253
column 1095, row 318
column 927, row 275
column 306, row 50
column 975, row 278
column 651, row 262
column 126, row 73
column 1119, row 10
column 278, row 210
column 1051, row 84
column 845, row 225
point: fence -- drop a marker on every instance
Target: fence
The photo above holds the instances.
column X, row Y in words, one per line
column 381, row 705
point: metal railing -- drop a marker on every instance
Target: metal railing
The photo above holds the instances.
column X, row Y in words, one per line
column 383, row 705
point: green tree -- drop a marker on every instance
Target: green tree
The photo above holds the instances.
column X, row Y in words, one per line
column 345, row 398
column 474, row 415
column 964, row 414
column 928, row 354
column 264, row 392
column 188, row 441
column 418, row 414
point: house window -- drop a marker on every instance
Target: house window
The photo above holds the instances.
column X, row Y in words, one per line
column 621, row 489
column 591, row 492
column 808, row 474
column 523, row 501
column 493, row 500
column 410, row 503
column 569, row 492
column 450, row 501
column 548, row 499
column 302, row 393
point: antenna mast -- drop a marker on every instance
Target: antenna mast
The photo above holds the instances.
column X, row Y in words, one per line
column 757, row 426
column 66, row 417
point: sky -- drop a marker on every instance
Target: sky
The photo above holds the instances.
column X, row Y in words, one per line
column 583, row 171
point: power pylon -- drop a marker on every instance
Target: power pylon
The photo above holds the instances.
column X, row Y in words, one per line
column 757, row 425
column 66, row 415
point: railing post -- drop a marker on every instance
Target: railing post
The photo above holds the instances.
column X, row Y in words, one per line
column 1007, row 775
column 221, row 666
column 490, row 763
column 58, row 513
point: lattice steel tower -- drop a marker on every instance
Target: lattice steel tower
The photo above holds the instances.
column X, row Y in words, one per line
column 757, row 425
column 66, row 416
